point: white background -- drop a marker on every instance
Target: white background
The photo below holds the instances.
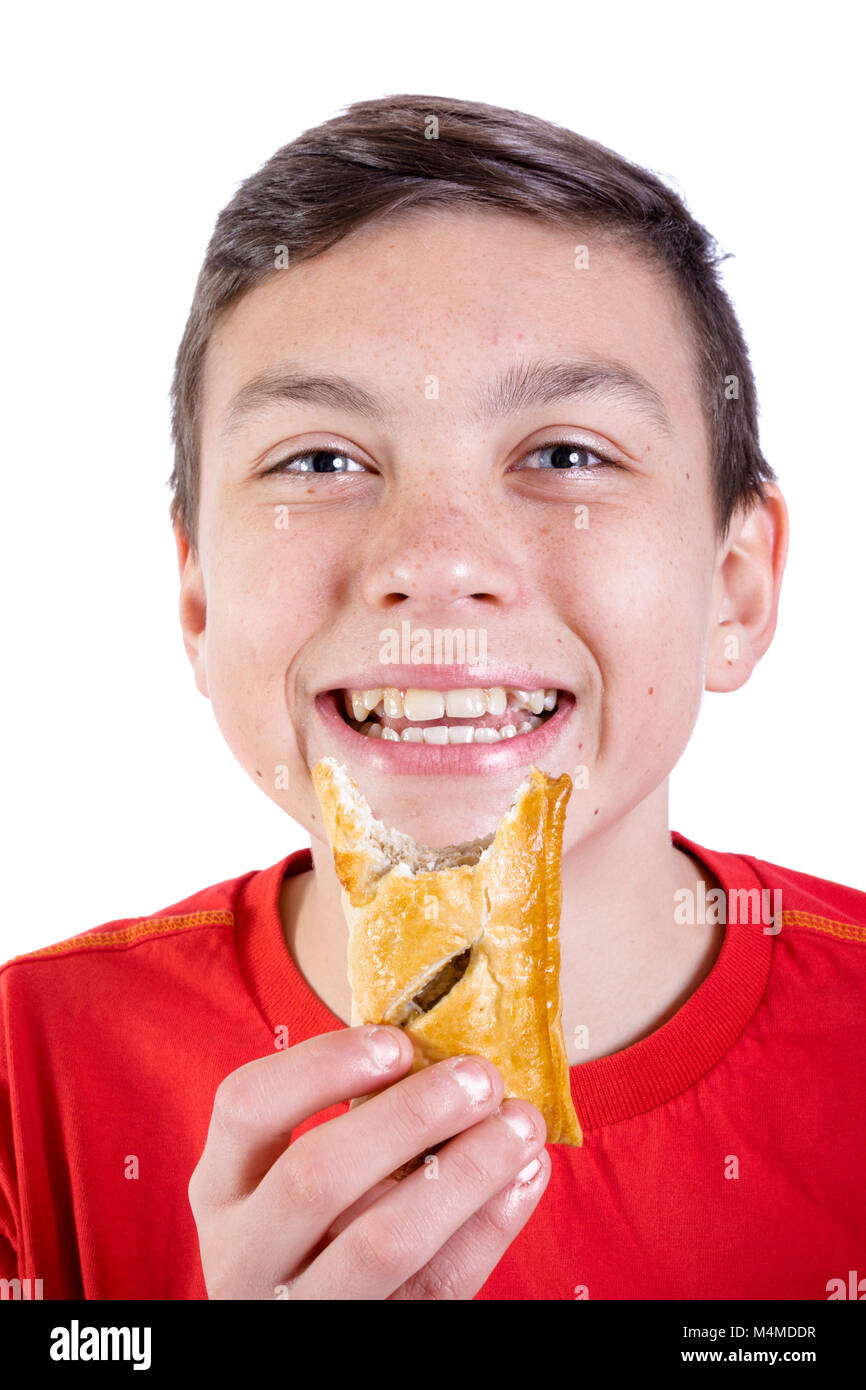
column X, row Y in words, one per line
column 125, row 132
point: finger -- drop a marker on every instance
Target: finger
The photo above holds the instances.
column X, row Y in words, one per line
column 403, row 1231
column 467, row 1260
column 348, row 1216
column 325, row 1171
column 257, row 1107
column 343, row 1220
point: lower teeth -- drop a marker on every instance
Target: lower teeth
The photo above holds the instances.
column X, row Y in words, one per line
column 447, row 733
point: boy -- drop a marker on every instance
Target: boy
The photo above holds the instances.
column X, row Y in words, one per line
column 452, row 368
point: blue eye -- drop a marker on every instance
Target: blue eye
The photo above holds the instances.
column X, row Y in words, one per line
column 573, row 458
column 318, row 461
column 569, row 458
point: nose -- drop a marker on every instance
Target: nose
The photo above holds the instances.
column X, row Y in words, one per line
column 433, row 557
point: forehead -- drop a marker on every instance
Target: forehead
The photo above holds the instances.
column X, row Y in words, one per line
column 459, row 295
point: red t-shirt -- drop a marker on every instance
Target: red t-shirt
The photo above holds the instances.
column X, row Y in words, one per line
column 724, row 1155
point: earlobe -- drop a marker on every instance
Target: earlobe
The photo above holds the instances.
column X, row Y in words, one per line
column 193, row 606
column 746, row 589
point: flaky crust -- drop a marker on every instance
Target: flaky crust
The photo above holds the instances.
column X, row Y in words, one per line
column 407, row 921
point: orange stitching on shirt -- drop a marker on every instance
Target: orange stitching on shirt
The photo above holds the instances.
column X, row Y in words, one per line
column 153, row 926
column 846, row 930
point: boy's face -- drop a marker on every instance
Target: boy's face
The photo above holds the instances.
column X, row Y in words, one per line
column 466, row 506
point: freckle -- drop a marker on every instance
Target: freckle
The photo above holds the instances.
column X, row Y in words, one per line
column 688, row 476
column 258, row 774
column 651, row 690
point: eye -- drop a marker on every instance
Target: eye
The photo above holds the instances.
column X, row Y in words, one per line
column 317, row 461
column 568, row 457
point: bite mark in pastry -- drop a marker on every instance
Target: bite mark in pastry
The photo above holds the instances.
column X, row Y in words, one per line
column 459, row 946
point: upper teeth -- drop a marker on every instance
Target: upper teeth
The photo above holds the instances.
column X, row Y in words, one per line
column 421, row 705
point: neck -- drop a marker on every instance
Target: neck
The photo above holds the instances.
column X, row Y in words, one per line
column 626, row 965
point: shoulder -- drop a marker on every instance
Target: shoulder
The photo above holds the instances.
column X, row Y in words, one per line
column 806, row 906
column 814, row 905
column 208, row 909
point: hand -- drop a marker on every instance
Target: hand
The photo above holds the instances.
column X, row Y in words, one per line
column 320, row 1217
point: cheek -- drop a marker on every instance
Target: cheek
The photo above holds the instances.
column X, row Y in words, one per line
column 267, row 596
column 636, row 595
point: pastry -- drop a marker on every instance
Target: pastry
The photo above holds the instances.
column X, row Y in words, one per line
column 459, row 946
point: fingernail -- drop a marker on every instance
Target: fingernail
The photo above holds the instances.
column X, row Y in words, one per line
column 529, row 1172
column 518, row 1121
column 475, row 1080
column 383, row 1047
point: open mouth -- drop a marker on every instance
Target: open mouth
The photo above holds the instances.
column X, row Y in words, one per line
column 467, row 715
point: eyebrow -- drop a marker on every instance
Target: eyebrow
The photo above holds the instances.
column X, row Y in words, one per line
column 531, row 384
column 286, row 386
column 520, row 387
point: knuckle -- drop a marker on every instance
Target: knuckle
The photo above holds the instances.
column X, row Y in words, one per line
column 417, row 1108
column 192, row 1188
column 378, row 1247
column 237, row 1103
column 440, row 1280
column 496, row 1220
column 472, row 1169
column 200, row 1196
column 308, row 1183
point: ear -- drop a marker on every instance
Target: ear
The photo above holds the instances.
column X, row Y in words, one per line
column 193, row 606
column 746, row 586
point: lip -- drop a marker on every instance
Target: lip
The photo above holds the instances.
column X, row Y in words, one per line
column 443, row 760
column 442, row 678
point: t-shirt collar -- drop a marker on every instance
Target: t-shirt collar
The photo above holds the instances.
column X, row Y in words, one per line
column 606, row 1089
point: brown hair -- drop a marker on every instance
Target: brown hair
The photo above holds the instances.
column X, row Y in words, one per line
column 379, row 158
